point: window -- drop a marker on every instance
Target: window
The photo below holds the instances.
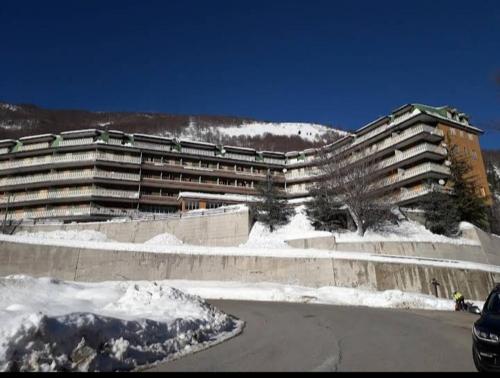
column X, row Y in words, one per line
column 470, row 136
column 483, row 192
column 474, row 155
column 493, row 304
column 192, row 205
column 453, row 131
column 461, row 133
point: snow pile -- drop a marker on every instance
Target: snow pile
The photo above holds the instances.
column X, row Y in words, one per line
column 404, row 231
column 81, row 235
column 298, row 227
column 272, row 292
column 164, row 239
column 52, row 325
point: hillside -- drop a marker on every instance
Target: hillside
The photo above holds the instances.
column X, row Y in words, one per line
column 22, row 120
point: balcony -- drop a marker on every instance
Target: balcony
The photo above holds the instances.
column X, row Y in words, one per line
column 387, row 143
column 76, row 142
column 68, row 158
column 412, row 152
column 68, row 176
column 408, row 195
column 33, row 179
column 425, row 168
column 117, row 175
column 396, row 139
column 73, row 193
column 175, row 166
column 385, row 127
column 85, row 211
column 34, row 146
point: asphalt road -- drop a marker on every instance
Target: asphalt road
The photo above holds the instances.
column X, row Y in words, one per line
column 306, row 337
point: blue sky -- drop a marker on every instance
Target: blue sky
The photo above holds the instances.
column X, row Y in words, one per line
column 342, row 63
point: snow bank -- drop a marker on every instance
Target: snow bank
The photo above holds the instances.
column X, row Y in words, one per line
column 81, row 235
column 405, row 231
column 164, row 239
column 300, row 227
column 271, row 292
column 52, row 325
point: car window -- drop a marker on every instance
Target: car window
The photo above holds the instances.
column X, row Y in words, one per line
column 493, row 304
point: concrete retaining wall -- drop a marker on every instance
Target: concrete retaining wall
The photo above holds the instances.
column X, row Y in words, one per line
column 487, row 251
column 212, row 229
column 82, row 264
column 421, row 249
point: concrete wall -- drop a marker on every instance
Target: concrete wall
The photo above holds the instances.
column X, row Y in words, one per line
column 490, row 244
column 487, row 251
column 420, row 249
column 212, row 229
column 95, row 265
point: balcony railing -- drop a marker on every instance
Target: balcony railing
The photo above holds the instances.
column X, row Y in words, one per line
column 391, row 141
column 387, row 143
column 412, row 172
column 117, row 175
column 76, row 142
column 415, row 193
column 68, row 158
column 34, row 146
column 73, row 193
column 383, row 128
column 412, row 152
column 72, row 212
column 65, row 176
column 33, row 179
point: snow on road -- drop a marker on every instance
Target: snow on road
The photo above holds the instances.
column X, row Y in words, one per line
column 272, row 292
column 53, row 325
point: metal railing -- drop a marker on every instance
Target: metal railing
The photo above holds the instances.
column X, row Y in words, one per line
column 65, row 176
column 415, row 193
column 73, row 193
column 70, row 157
column 412, row 172
column 412, row 152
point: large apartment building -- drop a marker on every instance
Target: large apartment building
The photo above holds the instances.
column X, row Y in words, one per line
column 99, row 174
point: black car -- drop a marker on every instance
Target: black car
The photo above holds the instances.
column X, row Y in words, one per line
column 486, row 334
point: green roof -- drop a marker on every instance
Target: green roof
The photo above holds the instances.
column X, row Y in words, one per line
column 442, row 110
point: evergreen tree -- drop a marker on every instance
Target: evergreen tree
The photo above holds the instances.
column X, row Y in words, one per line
column 441, row 214
column 471, row 208
column 324, row 210
column 273, row 209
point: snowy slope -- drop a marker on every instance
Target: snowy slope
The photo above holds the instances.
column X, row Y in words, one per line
column 215, row 129
column 307, row 131
column 52, row 325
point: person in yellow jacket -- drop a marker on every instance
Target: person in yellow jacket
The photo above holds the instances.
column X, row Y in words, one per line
column 459, row 300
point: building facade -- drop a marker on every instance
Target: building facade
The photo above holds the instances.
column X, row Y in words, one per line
column 98, row 174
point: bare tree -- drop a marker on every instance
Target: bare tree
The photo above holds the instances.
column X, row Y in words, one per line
column 353, row 181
